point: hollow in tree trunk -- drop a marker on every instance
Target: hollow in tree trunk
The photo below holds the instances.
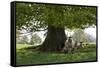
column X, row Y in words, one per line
column 55, row 39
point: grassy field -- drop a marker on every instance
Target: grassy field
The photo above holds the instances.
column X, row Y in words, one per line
column 31, row 56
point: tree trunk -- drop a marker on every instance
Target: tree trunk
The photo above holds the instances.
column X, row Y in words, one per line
column 55, row 39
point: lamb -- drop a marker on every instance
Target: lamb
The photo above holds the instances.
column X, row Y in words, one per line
column 79, row 45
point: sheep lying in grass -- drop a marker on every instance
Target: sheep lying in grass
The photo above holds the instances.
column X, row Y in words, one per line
column 71, row 45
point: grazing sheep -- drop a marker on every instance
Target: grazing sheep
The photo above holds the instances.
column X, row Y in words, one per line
column 78, row 45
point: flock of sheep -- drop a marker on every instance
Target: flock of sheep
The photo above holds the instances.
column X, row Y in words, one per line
column 71, row 45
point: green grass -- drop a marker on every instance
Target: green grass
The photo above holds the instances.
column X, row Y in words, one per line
column 20, row 46
column 27, row 55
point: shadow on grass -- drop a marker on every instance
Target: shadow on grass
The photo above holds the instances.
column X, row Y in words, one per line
column 30, row 55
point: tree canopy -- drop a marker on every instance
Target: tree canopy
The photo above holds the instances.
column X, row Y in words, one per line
column 34, row 17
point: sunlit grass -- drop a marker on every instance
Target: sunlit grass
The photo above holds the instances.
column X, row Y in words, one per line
column 20, row 46
column 32, row 56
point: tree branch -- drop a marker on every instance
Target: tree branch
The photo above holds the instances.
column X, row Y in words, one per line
column 29, row 32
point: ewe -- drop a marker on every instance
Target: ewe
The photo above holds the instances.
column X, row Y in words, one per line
column 71, row 45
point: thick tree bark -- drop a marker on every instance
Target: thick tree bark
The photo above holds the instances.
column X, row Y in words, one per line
column 55, row 39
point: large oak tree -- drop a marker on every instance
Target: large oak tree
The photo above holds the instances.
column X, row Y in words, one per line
column 54, row 18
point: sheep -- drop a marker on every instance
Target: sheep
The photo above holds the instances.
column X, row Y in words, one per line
column 71, row 45
column 78, row 45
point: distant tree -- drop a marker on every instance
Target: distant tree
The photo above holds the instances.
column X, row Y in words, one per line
column 35, row 39
column 79, row 35
column 17, row 33
column 18, row 40
column 18, row 37
column 24, row 40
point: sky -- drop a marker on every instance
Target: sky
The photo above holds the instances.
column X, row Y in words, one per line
column 91, row 31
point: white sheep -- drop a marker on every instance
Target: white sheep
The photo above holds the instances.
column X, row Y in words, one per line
column 71, row 45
